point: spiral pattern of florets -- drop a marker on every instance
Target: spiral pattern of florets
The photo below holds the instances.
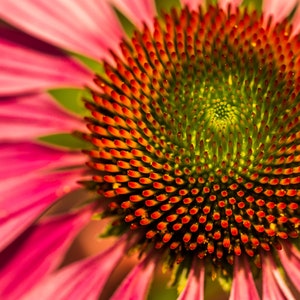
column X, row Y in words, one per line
column 196, row 134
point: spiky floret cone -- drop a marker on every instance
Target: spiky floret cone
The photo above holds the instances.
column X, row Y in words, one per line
column 196, row 134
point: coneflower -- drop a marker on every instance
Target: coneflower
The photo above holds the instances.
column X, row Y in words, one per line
column 191, row 149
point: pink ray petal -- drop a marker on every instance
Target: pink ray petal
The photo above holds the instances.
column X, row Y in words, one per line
column 25, row 70
column 273, row 285
column 136, row 284
column 24, row 198
column 194, row 289
column 290, row 259
column 296, row 22
column 192, row 4
column 22, row 158
column 84, row 279
column 233, row 3
column 243, row 286
column 138, row 11
column 37, row 252
column 88, row 27
column 278, row 9
column 25, row 118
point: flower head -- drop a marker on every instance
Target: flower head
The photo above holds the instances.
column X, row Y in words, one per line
column 191, row 142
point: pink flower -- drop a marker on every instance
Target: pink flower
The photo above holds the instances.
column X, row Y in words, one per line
column 175, row 121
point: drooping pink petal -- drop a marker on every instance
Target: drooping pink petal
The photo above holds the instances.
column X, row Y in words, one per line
column 24, row 198
column 88, row 27
column 25, row 118
column 138, row 11
column 194, row 289
column 192, row 4
column 243, row 286
column 21, row 158
column 225, row 3
column 273, row 285
column 290, row 259
column 37, row 252
column 278, row 9
column 25, row 70
column 136, row 283
column 84, row 279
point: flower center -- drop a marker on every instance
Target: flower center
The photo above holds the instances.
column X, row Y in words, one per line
column 196, row 134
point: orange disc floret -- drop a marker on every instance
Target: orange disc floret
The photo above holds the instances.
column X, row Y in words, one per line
column 196, row 134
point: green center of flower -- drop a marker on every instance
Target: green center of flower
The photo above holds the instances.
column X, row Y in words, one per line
column 196, row 135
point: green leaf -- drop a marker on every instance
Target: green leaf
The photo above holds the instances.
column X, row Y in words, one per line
column 127, row 25
column 92, row 64
column 165, row 6
column 253, row 4
column 65, row 140
column 71, row 99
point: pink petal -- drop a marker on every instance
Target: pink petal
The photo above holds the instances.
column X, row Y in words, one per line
column 22, row 158
column 194, row 289
column 225, row 3
column 84, row 279
column 278, row 9
column 25, row 118
column 296, row 22
column 85, row 26
column 25, row 70
column 243, row 286
column 273, row 286
column 135, row 285
column 290, row 259
column 24, row 198
column 140, row 12
column 37, row 252
column 192, row 4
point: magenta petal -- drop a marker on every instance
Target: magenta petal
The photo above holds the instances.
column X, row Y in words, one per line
column 290, row 259
column 25, row 157
column 84, row 26
column 194, row 289
column 243, row 286
column 24, row 199
column 84, row 279
column 192, row 4
column 278, row 9
column 296, row 22
column 26, row 70
column 140, row 12
column 25, row 118
column 136, row 283
column 273, row 285
column 37, row 252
